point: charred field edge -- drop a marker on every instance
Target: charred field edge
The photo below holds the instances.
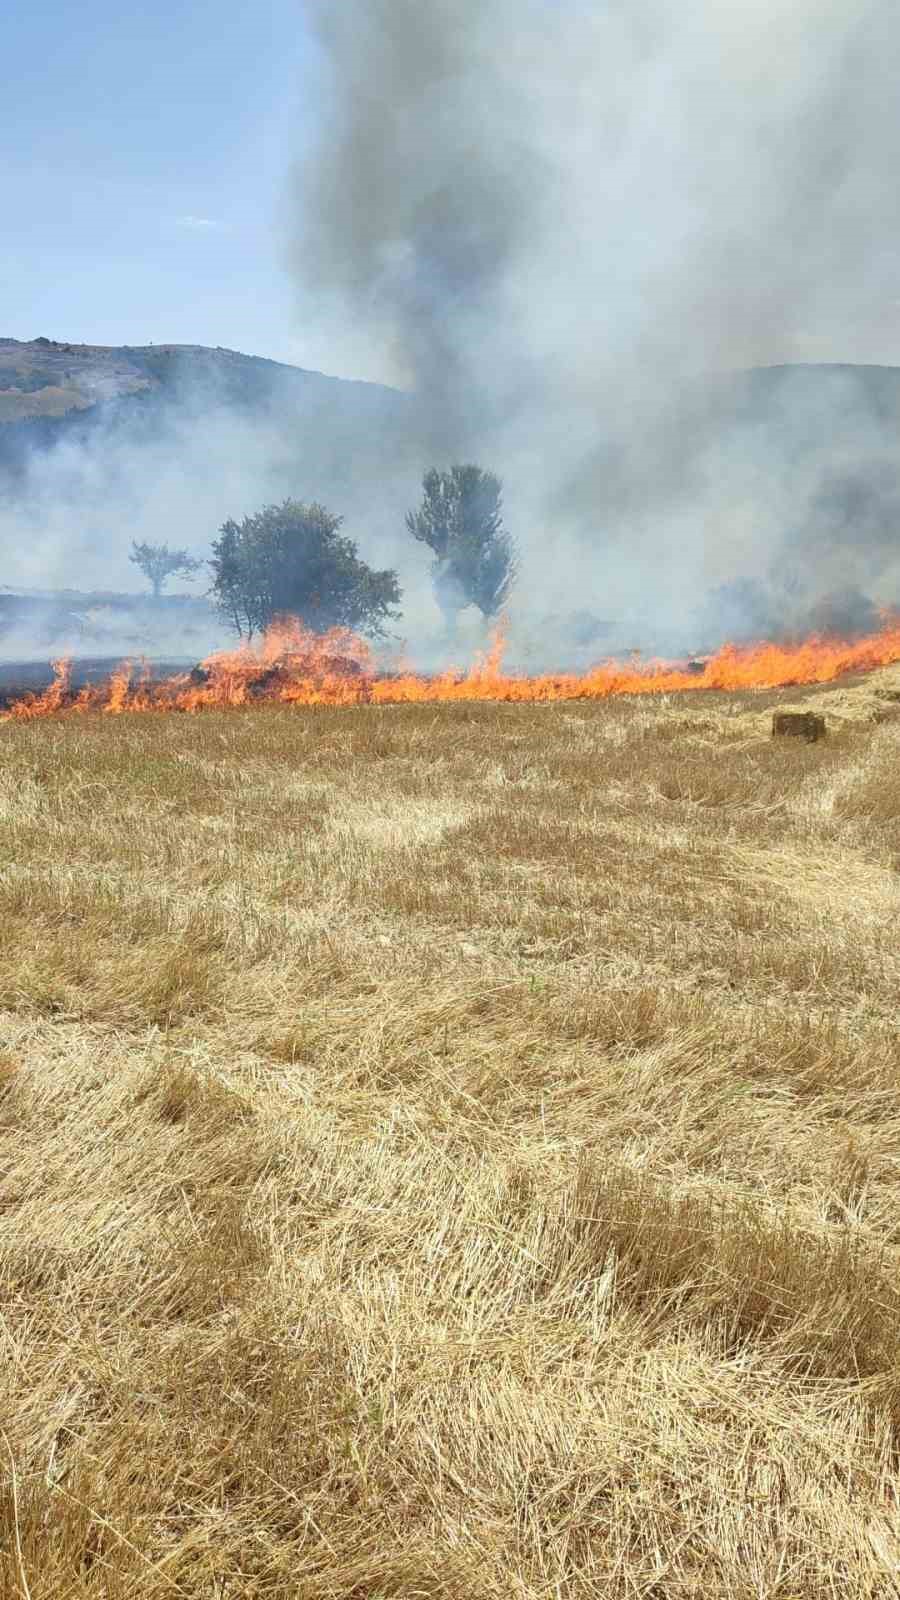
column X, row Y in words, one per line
column 21, row 678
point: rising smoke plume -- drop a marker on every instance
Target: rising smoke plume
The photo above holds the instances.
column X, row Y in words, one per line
column 173, row 472
column 567, row 225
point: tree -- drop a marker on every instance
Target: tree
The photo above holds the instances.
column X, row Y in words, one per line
column 461, row 521
column 157, row 562
column 291, row 560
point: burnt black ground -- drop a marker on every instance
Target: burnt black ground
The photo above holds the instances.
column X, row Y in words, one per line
column 18, row 678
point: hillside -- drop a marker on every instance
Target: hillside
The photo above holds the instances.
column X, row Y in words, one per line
column 47, row 378
column 52, row 391
column 47, row 384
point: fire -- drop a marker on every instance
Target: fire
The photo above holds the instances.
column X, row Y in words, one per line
column 292, row 666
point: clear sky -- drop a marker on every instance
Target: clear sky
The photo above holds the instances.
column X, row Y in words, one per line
column 146, row 153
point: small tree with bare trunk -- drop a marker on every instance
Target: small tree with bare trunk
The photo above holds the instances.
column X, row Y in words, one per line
column 158, row 563
column 292, row 560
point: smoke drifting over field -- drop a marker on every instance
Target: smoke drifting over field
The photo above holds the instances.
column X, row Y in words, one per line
column 617, row 254
column 172, row 469
column 556, row 221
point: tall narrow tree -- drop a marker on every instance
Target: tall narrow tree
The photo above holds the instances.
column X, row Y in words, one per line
column 461, row 520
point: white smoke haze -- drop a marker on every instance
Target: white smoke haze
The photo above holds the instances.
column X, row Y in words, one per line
column 68, row 521
column 38, row 626
column 565, row 231
column 559, row 221
column 71, row 521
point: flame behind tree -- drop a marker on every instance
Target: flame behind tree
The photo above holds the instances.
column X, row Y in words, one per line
column 461, row 521
column 290, row 665
column 157, row 562
column 291, row 560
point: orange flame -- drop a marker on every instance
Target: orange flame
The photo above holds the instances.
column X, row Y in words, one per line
column 293, row 666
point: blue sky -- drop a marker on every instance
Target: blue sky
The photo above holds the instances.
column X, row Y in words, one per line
column 146, row 156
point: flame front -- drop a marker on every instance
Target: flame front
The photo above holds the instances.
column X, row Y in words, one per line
column 292, row 666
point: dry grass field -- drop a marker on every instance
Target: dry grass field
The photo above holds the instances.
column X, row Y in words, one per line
column 451, row 1151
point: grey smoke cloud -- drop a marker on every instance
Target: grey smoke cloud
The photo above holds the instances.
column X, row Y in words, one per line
column 69, row 515
column 590, row 171
column 565, row 225
column 557, row 221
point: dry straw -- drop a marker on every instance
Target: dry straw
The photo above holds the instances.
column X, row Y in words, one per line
column 451, row 1151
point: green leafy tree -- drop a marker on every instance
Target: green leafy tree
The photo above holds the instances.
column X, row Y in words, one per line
column 461, row 521
column 157, row 562
column 292, row 560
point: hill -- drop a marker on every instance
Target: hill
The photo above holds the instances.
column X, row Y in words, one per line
column 48, row 387
column 47, row 378
column 51, row 391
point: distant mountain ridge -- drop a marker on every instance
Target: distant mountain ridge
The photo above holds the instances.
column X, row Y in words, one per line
column 53, row 391
column 48, row 377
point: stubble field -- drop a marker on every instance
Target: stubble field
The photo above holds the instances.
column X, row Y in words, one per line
column 451, row 1151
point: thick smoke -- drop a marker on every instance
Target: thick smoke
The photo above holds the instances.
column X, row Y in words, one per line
column 172, row 471
column 615, row 252
column 567, row 226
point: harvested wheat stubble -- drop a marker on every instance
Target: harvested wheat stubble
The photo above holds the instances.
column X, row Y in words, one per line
column 798, row 725
column 337, row 1263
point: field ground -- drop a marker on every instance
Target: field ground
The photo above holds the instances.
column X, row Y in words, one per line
column 451, row 1151
column 21, row 678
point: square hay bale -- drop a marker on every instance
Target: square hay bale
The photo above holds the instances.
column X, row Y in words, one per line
column 798, row 725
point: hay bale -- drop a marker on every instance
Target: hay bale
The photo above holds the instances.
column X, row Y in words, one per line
column 798, row 725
